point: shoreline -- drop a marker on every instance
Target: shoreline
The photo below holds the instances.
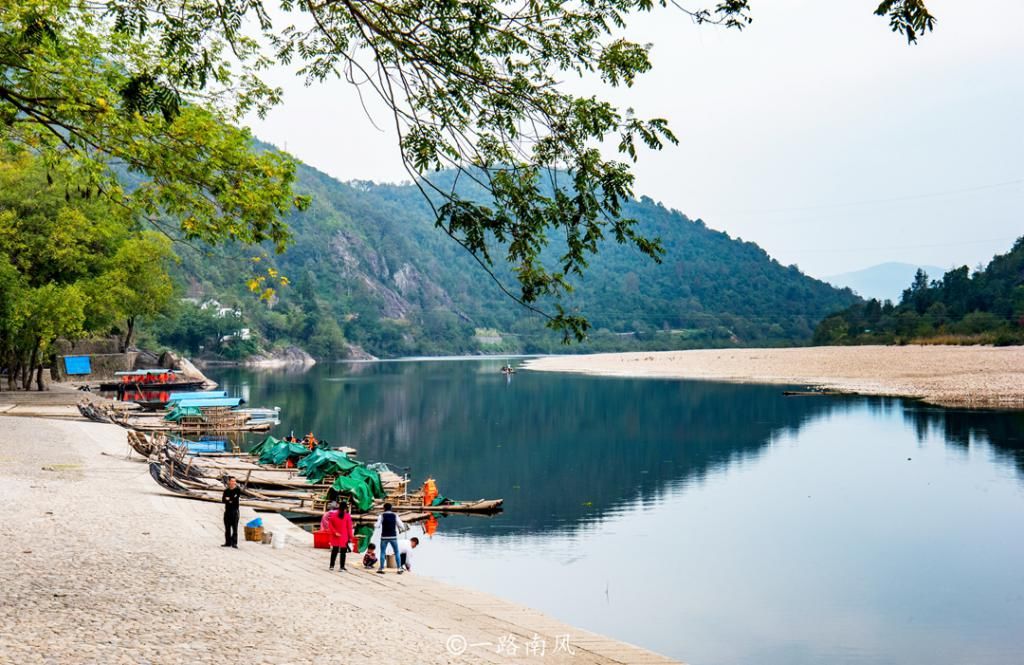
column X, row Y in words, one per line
column 102, row 565
column 949, row 376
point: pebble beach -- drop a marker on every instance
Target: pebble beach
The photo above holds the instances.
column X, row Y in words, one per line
column 100, row 565
column 954, row 376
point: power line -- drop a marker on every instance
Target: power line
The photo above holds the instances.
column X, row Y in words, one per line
column 873, row 249
column 892, row 199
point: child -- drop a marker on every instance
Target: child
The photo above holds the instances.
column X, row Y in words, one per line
column 370, row 558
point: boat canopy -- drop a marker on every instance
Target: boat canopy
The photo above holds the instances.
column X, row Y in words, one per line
column 175, row 396
column 205, row 402
column 147, row 372
column 179, row 412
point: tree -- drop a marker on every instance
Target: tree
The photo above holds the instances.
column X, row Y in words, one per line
column 327, row 340
column 984, row 307
column 155, row 87
column 69, row 266
column 137, row 285
column 41, row 315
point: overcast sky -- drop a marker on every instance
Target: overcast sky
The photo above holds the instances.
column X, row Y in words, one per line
column 815, row 132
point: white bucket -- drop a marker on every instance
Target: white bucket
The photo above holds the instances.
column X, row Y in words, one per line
column 279, row 539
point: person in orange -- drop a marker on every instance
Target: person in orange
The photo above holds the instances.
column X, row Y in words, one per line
column 429, row 491
column 339, row 523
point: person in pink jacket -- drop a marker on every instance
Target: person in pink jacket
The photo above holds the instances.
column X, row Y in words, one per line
column 339, row 524
column 332, row 507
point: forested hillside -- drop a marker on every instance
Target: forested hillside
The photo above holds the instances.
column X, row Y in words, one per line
column 368, row 268
column 986, row 307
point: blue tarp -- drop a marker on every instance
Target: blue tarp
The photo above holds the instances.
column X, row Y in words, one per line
column 206, row 446
column 77, row 365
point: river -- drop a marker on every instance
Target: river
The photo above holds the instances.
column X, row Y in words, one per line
column 719, row 524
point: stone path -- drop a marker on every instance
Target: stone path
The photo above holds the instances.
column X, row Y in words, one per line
column 98, row 565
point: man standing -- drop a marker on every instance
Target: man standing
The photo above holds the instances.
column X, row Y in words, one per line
column 389, row 524
column 230, row 500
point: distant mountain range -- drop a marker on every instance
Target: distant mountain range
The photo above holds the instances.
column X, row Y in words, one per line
column 884, row 281
column 367, row 265
column 960, row 307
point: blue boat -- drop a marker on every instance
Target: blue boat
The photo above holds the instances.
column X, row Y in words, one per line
column 196, row 395
column 201, row 446
column 205, row 402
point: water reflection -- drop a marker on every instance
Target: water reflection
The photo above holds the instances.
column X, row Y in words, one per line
column 1002, row 430
column 562, row 450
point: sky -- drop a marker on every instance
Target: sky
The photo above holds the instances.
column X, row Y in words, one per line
column 815, row 132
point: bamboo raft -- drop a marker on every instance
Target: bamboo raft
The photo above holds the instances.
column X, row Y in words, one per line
column 212, row 421
column 147, row 446
column 303, row 503
column 279, row 489
column 243, row 466
column 165, row 477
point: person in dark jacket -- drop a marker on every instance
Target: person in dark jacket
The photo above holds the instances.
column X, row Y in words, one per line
column 230, row 500
column 389, row 524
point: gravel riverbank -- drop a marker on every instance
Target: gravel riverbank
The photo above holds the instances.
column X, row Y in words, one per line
column 972, row 376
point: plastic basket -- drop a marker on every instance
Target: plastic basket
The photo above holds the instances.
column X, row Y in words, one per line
column 322, row 540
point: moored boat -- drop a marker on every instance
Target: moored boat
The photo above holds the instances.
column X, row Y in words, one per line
column 304, row 490
column 150, row 379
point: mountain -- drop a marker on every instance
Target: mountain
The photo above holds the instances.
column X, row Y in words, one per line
column 984, row 307
column 884, row 281
column 368, row 268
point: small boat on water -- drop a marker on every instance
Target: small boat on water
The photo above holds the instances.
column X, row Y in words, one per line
column 508, row 369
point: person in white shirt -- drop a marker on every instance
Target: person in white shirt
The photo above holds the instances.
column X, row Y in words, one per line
column 405, row 548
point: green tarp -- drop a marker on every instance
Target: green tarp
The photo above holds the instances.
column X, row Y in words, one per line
column 179, row 412
column 354, row 479
column 263, row 445
column 321, row 463
column 364, row 532
column 362, row 485
column 282, row 451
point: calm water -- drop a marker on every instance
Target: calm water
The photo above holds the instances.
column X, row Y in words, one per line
column 718, row 524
